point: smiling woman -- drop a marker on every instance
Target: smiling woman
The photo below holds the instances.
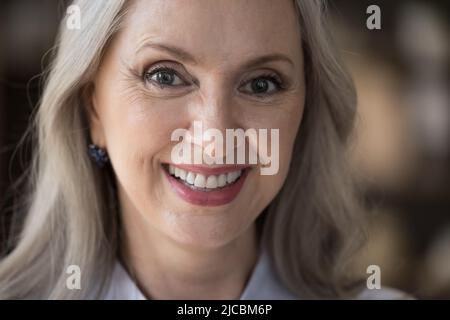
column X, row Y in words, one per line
column 142, row 226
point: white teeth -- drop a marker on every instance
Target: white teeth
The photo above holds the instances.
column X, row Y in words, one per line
column 211, row 182
column 222, row 180
column 190, row 178
column 232, row 176
column 182, row 174
column 201, row 181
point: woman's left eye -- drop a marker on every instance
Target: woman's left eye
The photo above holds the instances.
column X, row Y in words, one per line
column 261, row 86
column 164, row 77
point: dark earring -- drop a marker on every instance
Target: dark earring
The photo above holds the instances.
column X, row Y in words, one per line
column 98, row 155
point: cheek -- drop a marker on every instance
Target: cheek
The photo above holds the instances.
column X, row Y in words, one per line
column 286, row 120
column 142, row 127
column 132, row 140
column 137, row 137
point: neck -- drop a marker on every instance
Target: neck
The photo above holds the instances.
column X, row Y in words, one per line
column 164, row 269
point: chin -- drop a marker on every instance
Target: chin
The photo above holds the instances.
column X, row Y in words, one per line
column 203, row 232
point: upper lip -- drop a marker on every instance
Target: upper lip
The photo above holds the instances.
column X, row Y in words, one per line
column 211, row 170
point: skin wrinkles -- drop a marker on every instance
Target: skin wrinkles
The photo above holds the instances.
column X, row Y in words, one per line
column 172, row 248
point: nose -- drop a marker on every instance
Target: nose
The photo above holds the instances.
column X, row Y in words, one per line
column 211, row 114
column 214, row 107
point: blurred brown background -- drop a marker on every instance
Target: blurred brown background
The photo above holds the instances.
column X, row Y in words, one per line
column 401, row 151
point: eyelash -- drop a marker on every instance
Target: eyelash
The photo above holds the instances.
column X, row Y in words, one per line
column 275, row 79
column 155, row 70
column 269, row 77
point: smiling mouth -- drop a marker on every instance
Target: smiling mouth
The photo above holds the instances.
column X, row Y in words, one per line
column 205, row 182
column 206, row 185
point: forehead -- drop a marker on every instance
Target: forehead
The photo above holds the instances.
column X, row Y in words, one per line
column 224, row 29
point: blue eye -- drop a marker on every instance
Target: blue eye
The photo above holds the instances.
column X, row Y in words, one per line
column 262, row 85
column 164, row 77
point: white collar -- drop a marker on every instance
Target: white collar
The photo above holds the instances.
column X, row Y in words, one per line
column 262, row 285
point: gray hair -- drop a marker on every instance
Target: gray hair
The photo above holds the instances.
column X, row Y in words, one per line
column 309, row 230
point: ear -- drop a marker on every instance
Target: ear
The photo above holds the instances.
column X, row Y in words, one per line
column 91, row 108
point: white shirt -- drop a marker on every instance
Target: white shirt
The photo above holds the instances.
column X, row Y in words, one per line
column 262, row 285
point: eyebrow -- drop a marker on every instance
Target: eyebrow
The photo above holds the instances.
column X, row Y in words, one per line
column 172, row 50
column 187, row 57
column 268, row 58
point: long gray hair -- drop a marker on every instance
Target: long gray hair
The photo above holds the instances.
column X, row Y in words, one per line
column 309, row 230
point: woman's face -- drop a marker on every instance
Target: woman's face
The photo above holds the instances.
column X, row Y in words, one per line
column 225, row 64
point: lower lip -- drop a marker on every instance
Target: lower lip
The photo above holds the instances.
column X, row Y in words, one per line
column 217, row 197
